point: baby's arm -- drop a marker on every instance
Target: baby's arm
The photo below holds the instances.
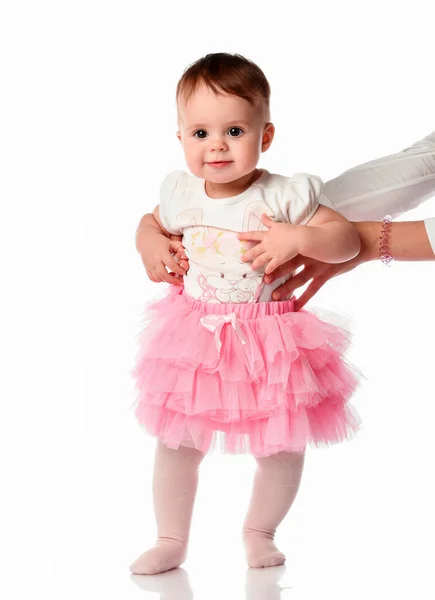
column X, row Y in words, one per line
column 328, row 237
column 157, row 248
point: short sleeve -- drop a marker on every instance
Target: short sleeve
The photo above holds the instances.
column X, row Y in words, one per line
column 171, row 195
column 300, row 198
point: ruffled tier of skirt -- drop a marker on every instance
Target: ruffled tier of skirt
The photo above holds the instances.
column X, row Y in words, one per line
column 257, row 377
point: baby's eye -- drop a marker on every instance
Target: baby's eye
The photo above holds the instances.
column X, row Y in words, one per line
column 200, row 134
column 235, row 131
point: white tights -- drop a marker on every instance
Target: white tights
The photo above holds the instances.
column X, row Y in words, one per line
column 175, row 482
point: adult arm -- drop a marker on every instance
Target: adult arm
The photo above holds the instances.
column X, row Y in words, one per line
column 391, row 185
column 408, row 241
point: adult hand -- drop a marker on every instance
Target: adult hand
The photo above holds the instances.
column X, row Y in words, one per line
column 160, row 253
column 180, row 258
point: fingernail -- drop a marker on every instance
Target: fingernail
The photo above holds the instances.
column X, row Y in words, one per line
column 277, row 296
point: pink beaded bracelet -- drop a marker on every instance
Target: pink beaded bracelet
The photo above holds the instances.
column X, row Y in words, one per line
column 384, row 250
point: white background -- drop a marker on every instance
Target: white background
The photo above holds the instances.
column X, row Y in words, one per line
column 87, row 133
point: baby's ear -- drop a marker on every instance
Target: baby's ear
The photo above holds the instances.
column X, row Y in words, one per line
column 179, row 136
column 268, row 135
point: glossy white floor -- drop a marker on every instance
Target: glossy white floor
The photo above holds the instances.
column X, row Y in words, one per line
column 82, row 162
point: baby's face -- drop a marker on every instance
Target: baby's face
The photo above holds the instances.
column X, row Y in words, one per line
column 221, row 134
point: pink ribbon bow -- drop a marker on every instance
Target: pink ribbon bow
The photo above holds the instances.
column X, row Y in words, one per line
column 215, row 323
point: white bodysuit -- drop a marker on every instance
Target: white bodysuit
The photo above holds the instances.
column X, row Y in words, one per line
column 210, row 226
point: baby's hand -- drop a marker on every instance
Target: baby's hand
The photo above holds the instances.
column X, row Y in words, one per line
column 159, row 253
column 275, row 246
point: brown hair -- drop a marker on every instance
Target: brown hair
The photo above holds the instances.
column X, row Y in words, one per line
column 226, row 73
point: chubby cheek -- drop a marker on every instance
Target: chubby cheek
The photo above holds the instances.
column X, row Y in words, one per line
column 194, row 160
column 248, row 156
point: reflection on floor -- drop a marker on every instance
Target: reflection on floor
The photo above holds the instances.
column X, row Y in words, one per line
column 260, row 584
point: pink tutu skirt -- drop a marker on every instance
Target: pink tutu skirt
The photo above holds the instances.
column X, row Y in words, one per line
column 257, row 377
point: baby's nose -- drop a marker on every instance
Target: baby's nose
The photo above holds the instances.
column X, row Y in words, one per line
column 219, row 144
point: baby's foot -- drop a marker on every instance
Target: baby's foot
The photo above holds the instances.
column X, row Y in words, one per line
column 261, row 550
column 167, row 554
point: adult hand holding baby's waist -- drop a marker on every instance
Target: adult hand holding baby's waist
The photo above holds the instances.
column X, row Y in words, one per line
column 316, row 272
column 161, row 253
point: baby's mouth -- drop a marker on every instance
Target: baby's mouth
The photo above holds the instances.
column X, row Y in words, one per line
column 220, row 163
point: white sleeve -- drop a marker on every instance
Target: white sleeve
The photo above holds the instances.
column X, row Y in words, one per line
column 391, row 185
column 430, row 229
column 300, row 198
column 171, row 194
